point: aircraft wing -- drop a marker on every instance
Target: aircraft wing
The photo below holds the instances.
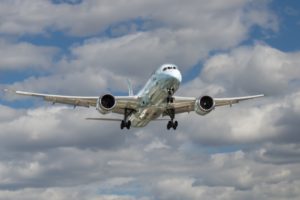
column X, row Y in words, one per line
column 122, row 102
column 187, row 104
column 70, row 100
column 233, row 100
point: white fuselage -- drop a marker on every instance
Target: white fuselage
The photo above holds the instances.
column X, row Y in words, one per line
column 154, row 94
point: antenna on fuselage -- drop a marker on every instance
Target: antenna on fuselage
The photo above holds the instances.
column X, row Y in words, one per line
column 130, row 90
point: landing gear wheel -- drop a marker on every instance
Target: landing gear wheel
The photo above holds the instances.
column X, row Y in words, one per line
column 169, row 125
column 125, row 124
column 122, row 126
column 128, row 124
column 172, row 124
column 175, row 124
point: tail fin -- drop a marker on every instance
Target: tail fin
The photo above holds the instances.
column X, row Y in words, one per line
column 130, row 91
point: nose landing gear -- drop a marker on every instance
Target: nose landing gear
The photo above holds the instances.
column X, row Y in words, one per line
column 170, row 99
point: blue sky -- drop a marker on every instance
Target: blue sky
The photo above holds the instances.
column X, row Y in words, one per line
column 74, row 47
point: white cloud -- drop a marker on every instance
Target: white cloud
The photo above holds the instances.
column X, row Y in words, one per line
column 246, row 71
column 254, row 69
column 55, row 150
column 92, row 16
column 17, row 56
column 178, row 38
column 114, row 158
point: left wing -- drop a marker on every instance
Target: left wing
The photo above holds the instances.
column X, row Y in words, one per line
column 234, row 100
column 187, row 104
column 122, row 102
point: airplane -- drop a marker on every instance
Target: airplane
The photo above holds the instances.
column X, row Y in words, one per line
column 156, row 99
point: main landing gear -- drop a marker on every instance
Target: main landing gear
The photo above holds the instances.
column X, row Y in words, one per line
column 172, row 124
column 125, row 122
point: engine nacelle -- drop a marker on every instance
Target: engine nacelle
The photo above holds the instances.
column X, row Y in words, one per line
column 106, row 103
column 204, row 105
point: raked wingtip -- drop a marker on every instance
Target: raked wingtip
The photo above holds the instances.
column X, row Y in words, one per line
column 6, row 90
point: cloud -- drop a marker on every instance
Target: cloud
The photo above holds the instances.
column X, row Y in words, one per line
column 92, row 17
column 286, row 153
column 23, row 55
column 247, row 152
column 54, row 152
column 45, row 128
column 172, row 38
column 76, row 193
column 246, row 70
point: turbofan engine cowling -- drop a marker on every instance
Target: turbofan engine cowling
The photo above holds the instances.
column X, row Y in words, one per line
column 106, row 103
column 204, row 105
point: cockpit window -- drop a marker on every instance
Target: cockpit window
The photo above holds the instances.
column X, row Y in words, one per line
column 169, row 67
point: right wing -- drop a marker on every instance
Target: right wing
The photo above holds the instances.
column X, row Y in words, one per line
column 122, row 102
column 69, row 100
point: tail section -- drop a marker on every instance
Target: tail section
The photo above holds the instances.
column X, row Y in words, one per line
column 130, row 90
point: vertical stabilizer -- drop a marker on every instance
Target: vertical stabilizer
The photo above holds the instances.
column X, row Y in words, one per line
column 130, row 91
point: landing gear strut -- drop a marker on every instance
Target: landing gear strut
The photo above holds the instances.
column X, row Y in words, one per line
column 172, row 124
column 125, row 122
column 170, row 99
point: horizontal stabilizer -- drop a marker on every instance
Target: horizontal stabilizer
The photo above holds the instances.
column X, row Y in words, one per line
column 117, row 120
column 105, row 119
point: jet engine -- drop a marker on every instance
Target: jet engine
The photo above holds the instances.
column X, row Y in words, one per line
column 204, row 105
column 106, row 103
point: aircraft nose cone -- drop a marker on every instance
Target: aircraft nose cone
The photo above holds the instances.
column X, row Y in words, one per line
column 177, row 75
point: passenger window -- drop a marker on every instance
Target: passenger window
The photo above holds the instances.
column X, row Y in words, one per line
column 165, row 69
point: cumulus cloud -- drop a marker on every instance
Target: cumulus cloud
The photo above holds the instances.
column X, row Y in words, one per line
column 18, row 56
column 94, row 16
column 245, row 71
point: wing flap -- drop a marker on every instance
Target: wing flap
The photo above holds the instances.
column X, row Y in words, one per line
column 183, row 104
column 129, row 102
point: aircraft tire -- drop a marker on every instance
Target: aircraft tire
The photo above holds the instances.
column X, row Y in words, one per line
column 122, row 126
